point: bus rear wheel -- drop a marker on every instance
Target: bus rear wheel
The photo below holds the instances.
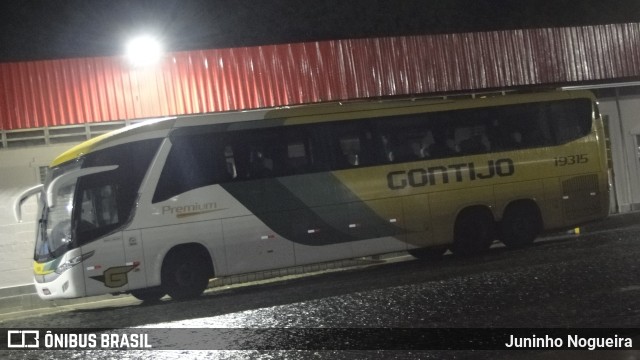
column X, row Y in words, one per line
column 184, row 274
column 520, row 225
column 473, row 232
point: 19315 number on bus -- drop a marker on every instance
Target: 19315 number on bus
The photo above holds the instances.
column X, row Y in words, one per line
column 571, row 160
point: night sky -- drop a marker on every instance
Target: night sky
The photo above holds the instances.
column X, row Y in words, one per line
column 49, row 29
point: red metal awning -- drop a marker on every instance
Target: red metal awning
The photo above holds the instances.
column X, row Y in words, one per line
column 76, row 91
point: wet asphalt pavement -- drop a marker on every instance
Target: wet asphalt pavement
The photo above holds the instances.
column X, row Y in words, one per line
column 586, row 281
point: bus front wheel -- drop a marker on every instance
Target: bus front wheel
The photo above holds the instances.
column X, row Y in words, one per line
column 473, row 232
column 184, row 274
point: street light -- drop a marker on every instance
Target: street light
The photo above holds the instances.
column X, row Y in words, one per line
column 143, row 51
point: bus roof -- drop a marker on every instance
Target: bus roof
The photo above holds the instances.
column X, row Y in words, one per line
column 310, row 113
column 113, row 136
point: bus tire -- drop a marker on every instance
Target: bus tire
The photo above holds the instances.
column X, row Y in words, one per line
column 185, row 274
column 521, row 224
column 149, row 295
column 433, row 253
column 473, row 232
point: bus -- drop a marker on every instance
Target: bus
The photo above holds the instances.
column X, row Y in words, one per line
column 161, row 207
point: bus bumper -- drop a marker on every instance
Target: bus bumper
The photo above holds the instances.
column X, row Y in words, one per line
column 60, row 281
column 67, row 285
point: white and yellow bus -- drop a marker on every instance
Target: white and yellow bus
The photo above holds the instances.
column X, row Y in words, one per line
column 163, row 206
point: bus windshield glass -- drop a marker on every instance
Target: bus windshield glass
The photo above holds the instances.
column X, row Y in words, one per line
column 54, row 224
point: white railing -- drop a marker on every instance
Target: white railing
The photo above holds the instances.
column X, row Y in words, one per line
column 56, row 135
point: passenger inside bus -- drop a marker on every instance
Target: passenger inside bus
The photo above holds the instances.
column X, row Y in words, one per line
column 443, row 146
column 350, row 147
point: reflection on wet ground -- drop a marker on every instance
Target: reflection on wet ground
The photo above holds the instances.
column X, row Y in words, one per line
column 582, row 282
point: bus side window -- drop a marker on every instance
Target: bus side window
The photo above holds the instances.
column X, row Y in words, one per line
column 389, row 154
column 474, row 140
column 404, row 138
column 298, row 150
column 571, row 119
column 444, row 144
column 354, row 150
column 194, row 161
column 254, row 154
column 352, row 144
column 297, row 159
column 260, row 163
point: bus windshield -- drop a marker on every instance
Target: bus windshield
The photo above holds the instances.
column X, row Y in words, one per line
column 54, row 224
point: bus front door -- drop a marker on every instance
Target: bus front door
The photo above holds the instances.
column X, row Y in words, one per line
column 105, row 270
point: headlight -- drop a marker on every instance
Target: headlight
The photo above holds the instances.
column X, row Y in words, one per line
column 73, row 262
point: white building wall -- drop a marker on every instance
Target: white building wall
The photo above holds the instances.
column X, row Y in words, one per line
column 624, row 126
column 630, row 116
column 19, row 170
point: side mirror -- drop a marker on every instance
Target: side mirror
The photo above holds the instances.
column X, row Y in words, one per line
column 69, row 178
column 22, row 197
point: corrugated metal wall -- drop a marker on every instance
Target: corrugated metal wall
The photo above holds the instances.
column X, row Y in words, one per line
column 73, row 91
